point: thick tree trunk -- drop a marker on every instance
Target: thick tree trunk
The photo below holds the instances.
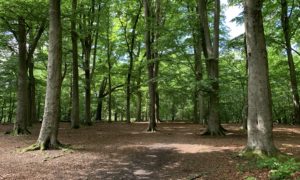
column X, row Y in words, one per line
column 212, row 56
column 293, row 78
column 20, row 126
column 245, row 108
column 260, row 138
column 48, row 133
column 75, row 87
column 150, row 66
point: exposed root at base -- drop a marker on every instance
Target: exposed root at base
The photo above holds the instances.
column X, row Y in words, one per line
column 250, row 153
column 219, row 132
column 44, row 146
column 151, row 130
column 18, row 132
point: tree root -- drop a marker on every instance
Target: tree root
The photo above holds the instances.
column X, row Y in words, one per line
column 151, row 130
column 48, row 146
column 219, row 132
column 252, row 153
column 18, row 132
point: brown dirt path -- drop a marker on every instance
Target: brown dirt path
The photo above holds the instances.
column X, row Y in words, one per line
column 121, row 151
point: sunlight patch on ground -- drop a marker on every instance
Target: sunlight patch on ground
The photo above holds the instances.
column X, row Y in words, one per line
column 294, row 130
column 291, row 145
column 185, row 148
column 142, row 172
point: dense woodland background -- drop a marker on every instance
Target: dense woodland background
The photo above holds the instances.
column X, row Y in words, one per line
column 108, row 43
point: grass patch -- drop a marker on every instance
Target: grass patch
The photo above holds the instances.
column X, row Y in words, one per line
column 280, row 167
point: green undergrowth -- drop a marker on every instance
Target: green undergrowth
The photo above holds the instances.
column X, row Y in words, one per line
column 280, row 166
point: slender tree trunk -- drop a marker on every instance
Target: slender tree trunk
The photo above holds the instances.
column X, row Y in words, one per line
column 150, row 66
column 100, row 99
column 109, row 85
column 11, row 108
column 260, row 138
column 2, row 117
column 139, row 96
column 32, row 103
column 130, row 49
column 293, row 77
column 87, row 43
column 20, row 126
column 75, row 87
column 31, row 86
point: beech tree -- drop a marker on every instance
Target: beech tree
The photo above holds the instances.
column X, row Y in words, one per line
column 49, row 130
column 211, row 53
column 75, row 79
column 285, row 23
column 260, row 138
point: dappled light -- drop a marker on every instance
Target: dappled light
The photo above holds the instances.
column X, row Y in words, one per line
column 117, row 150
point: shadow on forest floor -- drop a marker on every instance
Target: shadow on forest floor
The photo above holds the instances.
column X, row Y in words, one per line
column 121, row 151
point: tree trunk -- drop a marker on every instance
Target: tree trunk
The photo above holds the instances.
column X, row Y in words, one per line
column 20, row 126
column 109, row 85
column 48, row 133
column 245, row 108
column 150, row 66
column 32, row 103
column 87, row 45
column 130, row 50
column 2, row 116
column 293, row 78
column 260, row 138
column 211, row 53
column 75, row 87
column 139, row 96
column 31, row 86
column 100, row 99
column 198, row 98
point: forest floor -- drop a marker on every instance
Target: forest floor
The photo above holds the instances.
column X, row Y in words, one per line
column 122, row 151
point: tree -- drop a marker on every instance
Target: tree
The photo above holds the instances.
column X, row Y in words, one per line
column 211, row 52
column 49, row 130
column 260, row 138
column 75, row 79
column 285, row 23
column 130, row 39
column 20, row 126
column 150, row 66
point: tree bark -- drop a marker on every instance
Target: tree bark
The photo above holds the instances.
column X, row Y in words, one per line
column 20, row 126
column 150, row 66
column 130, row 50
column 87, row 45
column 211, row 53
column 32, row 118
column 75, row 87
column 48, row 133
column 293, row 77
column 260, row 138
column 100, row 99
